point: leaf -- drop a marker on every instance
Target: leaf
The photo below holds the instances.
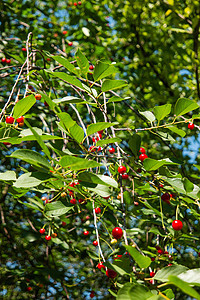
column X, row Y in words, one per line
column 141, row 260
column 148, row 115
column 27, row 181
column 184, row 286
column 153, row 164
column 117, row 99
column 184, row 105
column 8, row 176
column 165, row 136
column 56, row 209
column 99, row 179
column 162, row 111
column 48, row 100
column 86, row 31
column 23, row 105
column 134, row 143
column 176, row 130
column 109, row 85
column 191, row 276
column 68, row 99
column 32, row 157
column 188, row 185
column 82, row 62
column 132, row 291
column 65, row 63
column 103, row 70
column 76, row 163
column 99, row 189
column 177, row 184
column 164, row 273
column 77, row 132
column 93, row 128
column 66, row 121
column 121, row 266
column 108, row 141
column 68, row 78
column 17, row 140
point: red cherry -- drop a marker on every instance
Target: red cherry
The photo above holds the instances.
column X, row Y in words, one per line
column 64, row 32
column 20, row 119
column 3, row 60
column 95, row 243
column 142, row 157
column 10, row 120
column 99, row 136
column 117, row 233
column 199, row 254
column 152, row 274
column 42, row 230
column 161, row 185
column 81, row 201
column 170, row 257
column 48, row 237
column 64, row 223
column 166, row 197
column 86, row 232
column 111, row 150
column 73, row 201
column 75, row 4
column 48, row 59
column 29, row 288
column 160, row 251
column 38, row 96
column 111, row 273
column 166, row 252
column 100, row 131
column 8, row 61
column 169, row 265
column 177, row 225
column 79, row 2
column 70, row 44
column 92, row 148
column 46, row 104
column 191, row 126
column 23, row 49
column 87, row 217
column 142, row 150
column 91, row 67
column 152, row 258
column 6, row 143
column 99, row 149
column 125, row 176
column 92, row 294
column 97, row 210
column 100, row 266
column 94, row 140
column 151, row 281
column 121, row 169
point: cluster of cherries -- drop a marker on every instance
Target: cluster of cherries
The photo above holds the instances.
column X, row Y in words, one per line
column 6, row 60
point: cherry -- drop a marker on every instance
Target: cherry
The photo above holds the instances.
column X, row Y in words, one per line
column 142, row 150
column 92, row 294
column 152, row 274
column 73, row 201
column 29, row 288
column 111, row 150
column 63, row 194
column 166, row 197
column 95, row 243
column 111, row 273
column 125, row 176
column 117, row 233
column 43, row 198
column 64, row 32
column 100, row 266
column 199, row 254
column 79, row 3
column 64, row 223
column 92, row 149
column 152, row 258
column 97, row 210
column 75, row 4
column 191, row 126
column 160, row 251
column 161, row 185
column 135, row 203
column 48, row 59
column 8, row 61
column 113, row 241
column 23, row 49
column 6, row 143
column 121, row 169
column 100, row 131
column 10, row 120
column 20, row 119
column 169, row 265
column 166, row 252
column 70, row 44
column 142, row 157
column 38, row 96
column 21, row 124
column 100, row 136
column 86, row 232
column 177, row 225
column 170, row 257
column 54, row 235
column 81, row 201
column 94, row 140
column 91, row 67
column 46, row 104
column 87, row 217
column 42, row 230
column 3, row 60
column 48, row 237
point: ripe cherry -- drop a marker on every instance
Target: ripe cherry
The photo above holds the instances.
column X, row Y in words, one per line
column 48, row 59
column 152, row 258
column 95, row 243
column 64, row 32
column 92, row 149
column 191, row 126
column 42, row 230
column 92, row 294
column 166, row 252
column 142, row 150
column 70, row 44
column 117, row 233
column 81, row 201
column 111, row 150
column 100, row 266
column 142, row 157
column 20, row 119
column 111, row 273
column 79, row 2
column 73, row 201
column 64, row 223
column 75, row 4
column 166, row 197
column 124, row 176
column 6, row 143
column 10, row 120
column 100, row 131
column 3, row 60
column 160, row 251
column 177, row 225
column 121, row 169
column 91, row 67
column 86, row 232
column 48, row 237
column 29, row 288
column 8, row 61
column 24, row 49
column 38, row 96
column 97, row 210
column 152, row 274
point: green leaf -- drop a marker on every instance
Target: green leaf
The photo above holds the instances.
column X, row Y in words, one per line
column 17, row 140
column 103, row 70
column 82, row 62
column 68, row 78
column 132, row 291
column 99, row 179
column 164, row 273
column 184, row 286
column 32, row 157
column 121, row 266
column 141, row 260
column 191, row 276
column 8, row 176
column 108, row 141
column 56, row 209
column 184, row 105
column 93, row 128
column 188, row 185
column 134, row 143
column 176, row 130
column 66, row 121
column 99, row 189
column 165, row 136
column 153, row 164
column 116, row 99
column 148, row 115
column 65, row 63
column 48, row 101
column 76, row 163
column 109, row 85
column 27, row 181
column 23, row 105
column 77, row 132
column 177, row 184
column 162, row 111
column 68, row 99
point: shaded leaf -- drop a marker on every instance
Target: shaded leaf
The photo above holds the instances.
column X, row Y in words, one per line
column 109, row 85
column 23, row 105
column 184, row 105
